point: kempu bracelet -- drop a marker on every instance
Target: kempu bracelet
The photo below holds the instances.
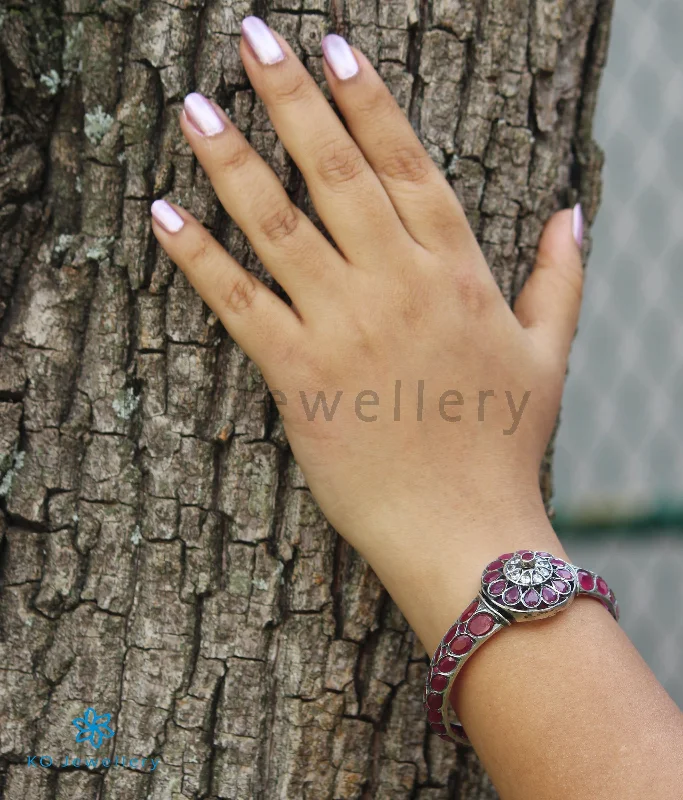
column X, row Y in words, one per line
column 516, row 587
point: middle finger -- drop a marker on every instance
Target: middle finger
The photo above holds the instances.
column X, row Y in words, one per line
column 347, row 194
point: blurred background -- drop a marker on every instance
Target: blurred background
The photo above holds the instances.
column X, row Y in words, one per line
column 619, row 454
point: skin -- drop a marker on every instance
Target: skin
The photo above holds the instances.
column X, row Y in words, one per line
column 407, row 295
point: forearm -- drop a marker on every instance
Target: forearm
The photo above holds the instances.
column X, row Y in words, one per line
column 559, row 707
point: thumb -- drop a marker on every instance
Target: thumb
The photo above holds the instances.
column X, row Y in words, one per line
column 550, row 300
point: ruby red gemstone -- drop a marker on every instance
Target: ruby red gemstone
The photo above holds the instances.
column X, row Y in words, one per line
column 448, row 664
column 603, row 588
column 531, row 598
column 462, row 644
column 481, row 624
column 526, row 555
column 491, row 576
column 512, row 595
column 450, row 635
column 564, row 573
column 497, row 588
column 561, row 586
column 544, row 554
column 434, row 716
column 505, row 556
column 467, row 613
column 549, row 595
column 434, row 701
column 586, row 580
column 497, row 564
column 439, row 682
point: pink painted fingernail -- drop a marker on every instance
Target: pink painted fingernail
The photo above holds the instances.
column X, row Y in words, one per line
column 261, row 40
column 339, row 56
column 577, row 224
column 167, row 216
column 202, row 114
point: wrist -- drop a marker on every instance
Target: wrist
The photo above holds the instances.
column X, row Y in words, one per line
column 431, row 565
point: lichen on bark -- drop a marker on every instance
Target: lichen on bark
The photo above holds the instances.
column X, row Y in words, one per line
column 161, row 556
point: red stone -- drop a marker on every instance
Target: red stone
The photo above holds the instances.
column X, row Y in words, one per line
column 461, row 645
column 505, row 556
column 586, row 580
column 435, row 701
column 439, row 682
column 471, row 608
column 526, row 555
column 497, row 564
column 564, row 573
column 440, row 729
column 561, row 586
column 481, row 624
column 450, row 635
column 497, row 588
column 512, row 595
column 558, row 562
column 445, row 737
column 601, row 583
column 448, row 664
column 434, row 716
column 549, row 595
column 531, row 598
column 544, row 554
column 491, row 576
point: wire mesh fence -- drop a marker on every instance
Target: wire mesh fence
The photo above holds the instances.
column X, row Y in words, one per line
column 619, row 458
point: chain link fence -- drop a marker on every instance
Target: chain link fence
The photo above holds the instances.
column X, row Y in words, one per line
column 619, row 458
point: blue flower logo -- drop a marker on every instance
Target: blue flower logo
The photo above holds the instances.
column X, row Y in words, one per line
column 93, row 728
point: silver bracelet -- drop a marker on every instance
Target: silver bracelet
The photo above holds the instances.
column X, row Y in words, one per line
column 517, row 587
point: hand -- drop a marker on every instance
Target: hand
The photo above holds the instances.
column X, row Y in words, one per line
column 406, row 297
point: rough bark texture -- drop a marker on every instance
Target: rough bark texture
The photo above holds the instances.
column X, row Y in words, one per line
column 162, row 558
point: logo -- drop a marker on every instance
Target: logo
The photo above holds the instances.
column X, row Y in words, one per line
column 93, row 728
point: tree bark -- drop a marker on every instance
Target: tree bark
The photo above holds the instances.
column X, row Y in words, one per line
column 162, row 558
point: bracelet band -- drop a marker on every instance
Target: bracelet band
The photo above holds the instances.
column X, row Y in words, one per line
column 516, row 587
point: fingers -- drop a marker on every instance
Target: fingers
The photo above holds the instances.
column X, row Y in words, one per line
column 550, row 300
column 421, row 195
column 291, row 248
column 255, row 317
column 347, row 194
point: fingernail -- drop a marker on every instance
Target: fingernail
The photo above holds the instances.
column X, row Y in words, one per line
column 261, row 40
column 577, row 224
column 202, row 114
column 339, row 56
column 167, row 216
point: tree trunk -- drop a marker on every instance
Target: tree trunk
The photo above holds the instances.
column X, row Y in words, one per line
column 162, row 559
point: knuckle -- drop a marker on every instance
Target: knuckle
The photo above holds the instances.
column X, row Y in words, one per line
column 408, row 163
column 240, row 294
column 198, row 252
column 474, row 293
column 294, row 89
column 338, row 163
column 234, row 157
column 375, row 101
column 280, row 224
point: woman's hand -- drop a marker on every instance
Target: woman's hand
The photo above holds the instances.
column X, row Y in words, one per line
column 432, row 496
column 417, row 404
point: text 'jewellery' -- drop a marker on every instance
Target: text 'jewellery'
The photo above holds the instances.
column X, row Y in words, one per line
column 516, row 587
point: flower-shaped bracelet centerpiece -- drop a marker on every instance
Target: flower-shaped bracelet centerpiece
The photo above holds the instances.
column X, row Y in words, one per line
column 516, row 587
